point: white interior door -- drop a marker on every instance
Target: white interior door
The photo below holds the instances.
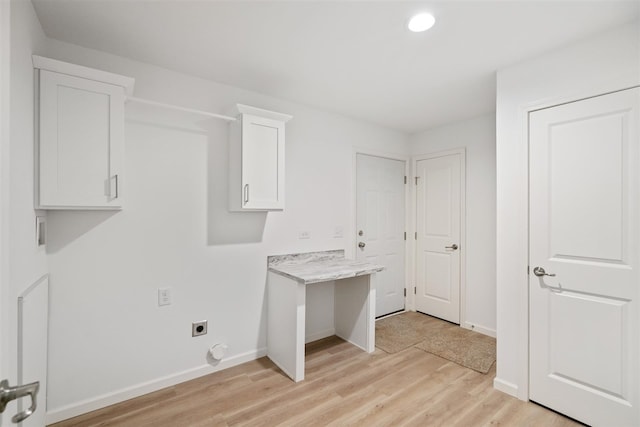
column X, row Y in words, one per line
column 585, row 234
column 5, row 319
column 380, row 214
column 8, row 320
column 439, row 199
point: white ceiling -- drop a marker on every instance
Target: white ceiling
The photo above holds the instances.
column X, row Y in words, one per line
column 351, row 57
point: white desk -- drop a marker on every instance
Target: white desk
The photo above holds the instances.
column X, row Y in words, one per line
column 354, row 310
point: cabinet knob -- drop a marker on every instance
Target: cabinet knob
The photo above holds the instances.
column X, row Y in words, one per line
column 361, row 245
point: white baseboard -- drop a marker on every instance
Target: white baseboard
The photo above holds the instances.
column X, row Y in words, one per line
column 505, row 387
column 479, row 328
column 319, row 335
column 105, row 400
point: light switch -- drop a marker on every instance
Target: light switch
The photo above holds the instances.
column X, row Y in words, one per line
column 41, row 231
column 338, row 232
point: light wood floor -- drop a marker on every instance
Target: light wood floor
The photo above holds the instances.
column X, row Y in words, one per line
column 343, row 386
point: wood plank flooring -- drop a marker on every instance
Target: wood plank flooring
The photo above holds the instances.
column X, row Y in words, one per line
column 343, row 386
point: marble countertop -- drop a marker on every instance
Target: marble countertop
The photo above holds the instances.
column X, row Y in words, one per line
column 317, row 267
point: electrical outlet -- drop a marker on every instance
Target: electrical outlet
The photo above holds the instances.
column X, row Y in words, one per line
column 199, row 328
column 164, row 296
column 304, row 234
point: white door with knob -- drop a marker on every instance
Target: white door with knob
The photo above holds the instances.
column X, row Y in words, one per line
column 11, row 386
column 439, row 213
column 585, row 258
column 380, row 213
column 5, row 319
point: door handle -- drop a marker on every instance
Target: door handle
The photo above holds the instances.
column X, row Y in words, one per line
column 246, row 193
column 8, row 393
column 454, row 247
column 539, row 271
column 361, row 245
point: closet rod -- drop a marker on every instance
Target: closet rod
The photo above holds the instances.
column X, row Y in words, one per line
column 176, row 107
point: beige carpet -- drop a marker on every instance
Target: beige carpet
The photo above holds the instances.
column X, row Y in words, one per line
column 462, row 346
column 395, row 333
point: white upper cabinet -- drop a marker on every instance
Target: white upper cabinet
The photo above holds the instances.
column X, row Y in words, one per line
column 81, row 136
column 257, row 160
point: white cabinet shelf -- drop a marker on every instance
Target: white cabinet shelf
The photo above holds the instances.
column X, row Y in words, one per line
column 81, row 136
column 257, row 159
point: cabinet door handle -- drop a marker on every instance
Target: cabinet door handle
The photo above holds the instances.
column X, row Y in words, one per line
column 246, row 193
column 116, row 177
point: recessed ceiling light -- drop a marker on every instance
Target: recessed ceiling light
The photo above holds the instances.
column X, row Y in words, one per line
column 421, row 22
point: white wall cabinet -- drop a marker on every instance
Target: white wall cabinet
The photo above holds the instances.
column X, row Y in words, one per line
column 81, row 136
column 257, row 160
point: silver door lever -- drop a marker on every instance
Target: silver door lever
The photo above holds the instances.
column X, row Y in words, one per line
column 454, row 247
column 539, row 271
column 8, row 393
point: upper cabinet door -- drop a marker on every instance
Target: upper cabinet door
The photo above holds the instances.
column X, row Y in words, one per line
column 80, row 136
column 81, row 142
column 256, row 166
column 262, row 163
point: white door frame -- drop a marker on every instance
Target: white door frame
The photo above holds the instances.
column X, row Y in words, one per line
column 350, row 252
column 521, row 389
column 463, row 223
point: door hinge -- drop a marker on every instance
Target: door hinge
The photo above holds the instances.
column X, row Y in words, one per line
column 405, row 179
column 415, row 290
column 417, row 180
column 527, row 270
column 405, row 292
column 405, row 235
column 415, row 235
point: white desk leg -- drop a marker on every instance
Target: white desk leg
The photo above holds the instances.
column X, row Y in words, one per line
column 286, row 324
column 355, row 309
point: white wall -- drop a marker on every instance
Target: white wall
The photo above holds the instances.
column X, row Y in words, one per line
column 477, row 136
column 597, row 65
column 22, row 262
column 109, row 340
